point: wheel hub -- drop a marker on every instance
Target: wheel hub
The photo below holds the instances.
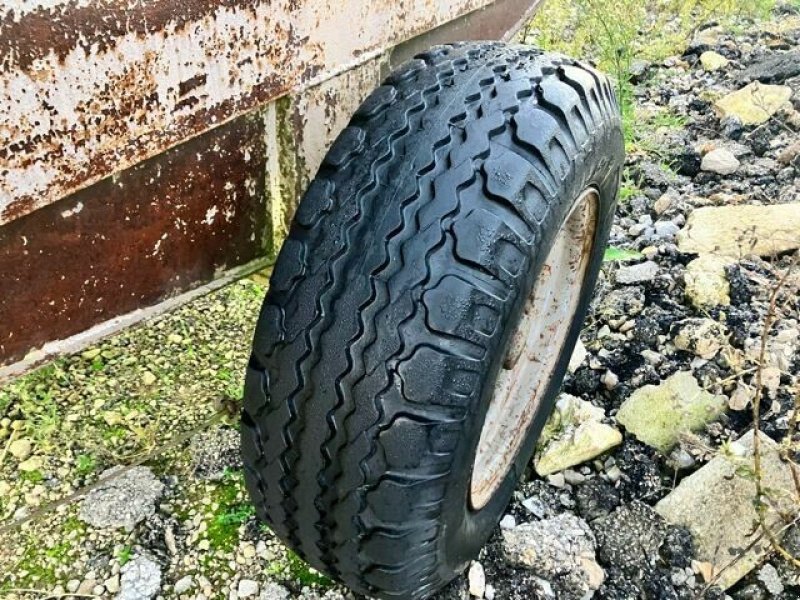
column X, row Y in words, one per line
column 534, row 349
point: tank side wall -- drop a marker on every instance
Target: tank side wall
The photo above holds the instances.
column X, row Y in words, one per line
column 91, row 88
column 213, row 207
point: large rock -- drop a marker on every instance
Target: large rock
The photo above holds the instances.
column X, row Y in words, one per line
column 720, row 161
column 140, row 580
column 573, row 434
column 717, row 505
column 736, row 231
column 124, row 500
column 773, row 69
column 560, row 550
column 707, row 282
column 755, row 103
column 658, row 414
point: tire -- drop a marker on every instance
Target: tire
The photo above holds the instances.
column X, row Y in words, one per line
column 409, row 265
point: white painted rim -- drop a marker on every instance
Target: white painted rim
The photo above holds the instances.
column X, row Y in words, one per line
column 534, row 349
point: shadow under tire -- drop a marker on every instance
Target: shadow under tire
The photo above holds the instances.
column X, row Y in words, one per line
column 391, row 322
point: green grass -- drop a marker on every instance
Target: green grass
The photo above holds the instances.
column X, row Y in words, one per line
column 613, row 254
column 85, row 464
column 41, row 561
column 124, row 555
column 33, row 397
column 34, row 476
column 232, row 511
column 627, row 188
column 304, row 574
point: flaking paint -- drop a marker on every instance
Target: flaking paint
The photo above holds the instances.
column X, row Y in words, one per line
column 140, row 77
column 223, row 179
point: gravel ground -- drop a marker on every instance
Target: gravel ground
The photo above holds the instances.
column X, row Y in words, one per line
column 643, row 486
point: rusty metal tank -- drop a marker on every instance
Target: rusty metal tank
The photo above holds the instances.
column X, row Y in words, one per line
column 152, row 150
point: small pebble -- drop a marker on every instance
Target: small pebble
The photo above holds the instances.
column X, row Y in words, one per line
column 477, row 580
column 508, row 522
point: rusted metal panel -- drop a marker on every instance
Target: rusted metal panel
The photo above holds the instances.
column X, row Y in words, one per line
column 171, row 223
column 498, row 21
column 213, row 206
column 105, row 251
column 90, row 88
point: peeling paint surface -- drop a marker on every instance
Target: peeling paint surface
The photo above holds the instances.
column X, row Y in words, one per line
column 157, row 185
column 88, row 89
column 104, row 251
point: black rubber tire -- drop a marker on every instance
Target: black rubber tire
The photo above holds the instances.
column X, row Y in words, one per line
column 394, row 297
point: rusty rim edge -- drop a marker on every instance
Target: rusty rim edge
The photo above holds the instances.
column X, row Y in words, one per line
column 534, row 349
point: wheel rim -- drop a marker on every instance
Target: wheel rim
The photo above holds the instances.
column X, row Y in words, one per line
column 534, row 349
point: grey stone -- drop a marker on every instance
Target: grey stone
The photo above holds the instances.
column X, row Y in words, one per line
column 653, row 174
column 140, row 580
column 184, row 584
column 477, row 580
column 768, row 575
column 112, row 584
column 247, row 588
column 578, row 356
column 622, row 303
column 122, row 501
column 773, row 69
column 717, row 505
column 214, row 451
column 638, row 70
column 560, row 550
column 681, row 459
column 701, row 336
column 629, row 537
column 508, row 522
column 642, row 272
column 666, row 229
column 720, row 161
column 273, row 591
column 536, row 507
